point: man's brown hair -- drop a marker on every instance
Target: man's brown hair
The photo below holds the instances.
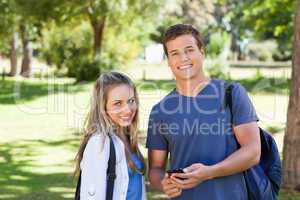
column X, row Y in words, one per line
column 181, row 29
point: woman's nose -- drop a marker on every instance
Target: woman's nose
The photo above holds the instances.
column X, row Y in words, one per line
column 127, row 109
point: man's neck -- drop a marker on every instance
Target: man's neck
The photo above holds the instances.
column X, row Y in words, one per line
column 192, row 87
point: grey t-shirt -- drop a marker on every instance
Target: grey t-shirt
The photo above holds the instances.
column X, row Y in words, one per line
column 198, row 130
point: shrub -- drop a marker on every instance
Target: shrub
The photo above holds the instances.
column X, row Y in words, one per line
column 218, row 50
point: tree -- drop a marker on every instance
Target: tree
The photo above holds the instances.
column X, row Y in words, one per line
column 13, row 54
column 207, row 16
column 27, row 50
column 26, row 17
column 103, row 13
column 80, row 44
column 8, row 30
column 291, row 150
column 32, row 16
column 256, row 19
column 263, row 20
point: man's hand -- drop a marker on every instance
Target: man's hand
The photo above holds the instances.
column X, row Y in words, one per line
column 157, row 176
column 169, row 188
column 242, row 159
column 194, row 175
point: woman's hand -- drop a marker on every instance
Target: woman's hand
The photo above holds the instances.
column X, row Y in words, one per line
column 169, row 188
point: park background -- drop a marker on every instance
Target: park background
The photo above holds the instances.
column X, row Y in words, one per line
column 51, row 51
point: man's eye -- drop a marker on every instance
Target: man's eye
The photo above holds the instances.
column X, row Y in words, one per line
column 190, row 50
column 174, row 54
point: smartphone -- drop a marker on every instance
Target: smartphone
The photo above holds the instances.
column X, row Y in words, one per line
column 172, row 171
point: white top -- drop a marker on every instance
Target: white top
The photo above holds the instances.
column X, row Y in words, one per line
column 94, row 165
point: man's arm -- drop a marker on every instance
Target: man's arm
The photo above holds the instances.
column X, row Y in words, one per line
column 244, row 158
column 157, row 175
column 157, row 166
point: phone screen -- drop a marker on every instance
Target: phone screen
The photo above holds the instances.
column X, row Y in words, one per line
column 170, row 172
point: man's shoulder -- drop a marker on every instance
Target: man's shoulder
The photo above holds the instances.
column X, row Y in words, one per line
column 157, row 108
column 165, row 99
column 220, row 81
column 235, row 85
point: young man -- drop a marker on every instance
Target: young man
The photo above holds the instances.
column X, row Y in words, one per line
column 191, row 125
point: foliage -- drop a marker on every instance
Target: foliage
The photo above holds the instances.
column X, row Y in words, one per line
column 121, row 41
column 262, row 51
column 265, row 20
column 69, row 47
column 7, row 25
column 217, row 52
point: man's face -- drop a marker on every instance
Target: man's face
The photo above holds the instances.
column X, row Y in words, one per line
column 184, row 57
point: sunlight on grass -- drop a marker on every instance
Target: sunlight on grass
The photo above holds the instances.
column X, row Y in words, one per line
column 16, row 188
column 60, row 189
column 18, row 178
column 7, row 196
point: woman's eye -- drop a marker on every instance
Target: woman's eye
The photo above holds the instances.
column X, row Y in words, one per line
column 131, row 101
column 117, row 104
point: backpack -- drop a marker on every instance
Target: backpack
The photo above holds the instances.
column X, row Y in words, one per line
column 263, row 180
column 111, row 174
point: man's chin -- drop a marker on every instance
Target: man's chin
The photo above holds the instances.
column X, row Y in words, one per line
column 185, row 77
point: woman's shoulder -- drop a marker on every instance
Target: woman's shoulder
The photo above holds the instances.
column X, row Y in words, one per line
column 98, row 146
column 97, row 136
column 100, row 141
column 96, row 142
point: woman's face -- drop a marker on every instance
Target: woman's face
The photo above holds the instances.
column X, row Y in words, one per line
column 121, row 104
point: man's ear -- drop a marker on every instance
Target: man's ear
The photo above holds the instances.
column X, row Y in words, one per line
column 168, row 62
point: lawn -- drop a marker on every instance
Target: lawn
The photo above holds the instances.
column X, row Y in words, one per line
column 40, row 122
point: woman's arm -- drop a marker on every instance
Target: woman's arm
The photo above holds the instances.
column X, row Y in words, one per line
column 94, row 165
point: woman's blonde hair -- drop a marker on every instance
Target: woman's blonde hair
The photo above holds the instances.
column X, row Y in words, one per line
column 98, row 120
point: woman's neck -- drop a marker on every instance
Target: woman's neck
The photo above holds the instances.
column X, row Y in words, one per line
column 121, row 133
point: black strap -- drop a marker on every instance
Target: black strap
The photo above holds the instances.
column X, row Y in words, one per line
column 111, row 174
column 228, row 102
column 111, row 171
column 77, row 193
column 228, row 98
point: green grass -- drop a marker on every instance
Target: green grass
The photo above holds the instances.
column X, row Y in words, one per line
column 266, row 85
column 37, row 169
column 20, row 91
column 39, row 133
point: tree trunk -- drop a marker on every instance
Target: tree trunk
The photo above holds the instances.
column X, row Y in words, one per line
column 291, row 151
column 13, row 55
column 27, row 53
column 98, row 29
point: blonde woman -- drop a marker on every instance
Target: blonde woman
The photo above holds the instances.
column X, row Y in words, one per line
column 113, row 114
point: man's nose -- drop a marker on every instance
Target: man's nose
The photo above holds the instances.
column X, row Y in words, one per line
column 184, row 57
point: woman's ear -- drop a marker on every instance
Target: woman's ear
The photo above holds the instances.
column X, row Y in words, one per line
column 202, row 51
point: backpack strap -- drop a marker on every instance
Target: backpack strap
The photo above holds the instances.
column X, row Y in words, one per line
column 228, row 102
column 77, row 193
column 228, row 98
column 111, row 171
column 111, row 174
